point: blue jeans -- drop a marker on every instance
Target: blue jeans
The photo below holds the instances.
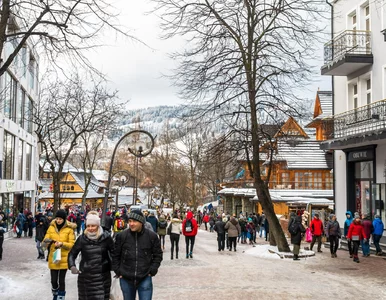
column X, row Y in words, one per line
column 365, row 247
column 145, row 289
column 376, row 239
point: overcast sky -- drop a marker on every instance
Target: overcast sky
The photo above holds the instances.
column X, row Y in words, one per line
column 136, row 70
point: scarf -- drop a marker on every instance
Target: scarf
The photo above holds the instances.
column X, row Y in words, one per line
column 94, row 235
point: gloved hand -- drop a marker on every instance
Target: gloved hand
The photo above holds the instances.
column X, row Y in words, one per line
column 74, row 270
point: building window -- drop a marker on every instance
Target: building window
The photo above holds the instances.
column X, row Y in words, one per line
column 10, row 96
column 32, row 71
column 368, row 91
column 28, row 162
column 8, row 156
column 28, row 114
column 21, row 107
column 20, row 161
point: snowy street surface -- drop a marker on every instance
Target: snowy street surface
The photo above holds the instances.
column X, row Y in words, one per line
column 249, row 273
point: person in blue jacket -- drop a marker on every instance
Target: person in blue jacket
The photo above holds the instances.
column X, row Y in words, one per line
column 377, row 233
column 347, row 224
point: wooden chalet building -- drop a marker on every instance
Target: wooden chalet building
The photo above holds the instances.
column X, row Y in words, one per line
column 301, row 171
column 72, row 187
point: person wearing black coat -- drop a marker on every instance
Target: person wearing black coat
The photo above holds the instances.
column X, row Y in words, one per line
column 109, row 222
column 296, row 239
column 96, row 247
column 137, row 257
column 219, row 227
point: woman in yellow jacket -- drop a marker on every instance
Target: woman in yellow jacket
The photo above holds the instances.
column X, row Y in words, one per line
column 60, row 234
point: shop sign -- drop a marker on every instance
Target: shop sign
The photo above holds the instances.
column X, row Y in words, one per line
column 361, row 155
column 10, row 185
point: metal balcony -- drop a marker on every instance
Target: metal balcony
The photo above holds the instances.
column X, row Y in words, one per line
column 363, row 123
column 348, row 52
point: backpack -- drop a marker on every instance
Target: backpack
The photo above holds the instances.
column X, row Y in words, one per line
column 120, row 224
column 293, row 229
column 163, row 224
column 188, row 225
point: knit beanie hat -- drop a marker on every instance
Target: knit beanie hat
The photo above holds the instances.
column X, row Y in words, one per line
column 137, row 215
column 356, row 215
column 93, row 218
column 61, row 213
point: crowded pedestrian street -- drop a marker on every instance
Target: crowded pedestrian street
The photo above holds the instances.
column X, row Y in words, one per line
column 248, row 273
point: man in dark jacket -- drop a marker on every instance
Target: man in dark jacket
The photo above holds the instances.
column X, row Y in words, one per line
column 219, row 227
column 368, row 228
column 296, row 232
column 136, row 258
column 109, row 222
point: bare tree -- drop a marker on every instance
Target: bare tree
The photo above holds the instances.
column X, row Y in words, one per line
column 62, row 29
column 245, row 58
column 66, row 112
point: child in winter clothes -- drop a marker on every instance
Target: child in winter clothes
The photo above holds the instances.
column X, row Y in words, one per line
column 347, row 224
column 356, row 233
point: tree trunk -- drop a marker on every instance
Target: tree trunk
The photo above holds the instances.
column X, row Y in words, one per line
column 275, row 229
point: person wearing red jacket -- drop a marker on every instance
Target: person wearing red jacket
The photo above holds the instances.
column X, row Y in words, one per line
column 316, row 227
column 206, row 220
column 189, row 230
column 356, row 234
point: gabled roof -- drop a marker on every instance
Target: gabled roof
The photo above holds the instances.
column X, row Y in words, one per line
column 66, row 168
column 291, row 128
column 303, row 154
column 322, row 107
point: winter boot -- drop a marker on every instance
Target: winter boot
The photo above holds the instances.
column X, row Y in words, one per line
column 176, row 255
column 55, row 294
column 61, row 295
column 191, row 254
column 296, row 257
column 171, row 256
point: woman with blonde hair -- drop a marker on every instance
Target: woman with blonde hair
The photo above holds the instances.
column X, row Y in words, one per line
column 59, row 235
column 94, row 274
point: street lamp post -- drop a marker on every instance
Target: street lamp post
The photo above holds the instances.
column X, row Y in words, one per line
column 141, row 143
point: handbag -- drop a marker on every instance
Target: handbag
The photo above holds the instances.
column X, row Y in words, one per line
column 169, row 230
column 57, row 256
column 308, row 235
column 355, row 238
column 115, row 290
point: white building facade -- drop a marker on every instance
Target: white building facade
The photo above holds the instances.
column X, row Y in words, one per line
column 356, row 58
column 18, row 143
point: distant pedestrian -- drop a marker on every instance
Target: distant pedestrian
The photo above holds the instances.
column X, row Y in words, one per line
column 119, row 224
column 60, row 235
column 30, row 223
column 243, row 227
column 219, row 227
column 233, row 228
column 251, row 231
column 78, row 223
column 377, row 233
column 356, row 233
column 161, row 230
column 2, row 229
column 296, row 229
column 347, row 223
column 211, row 222
column 262, row 225
column 368, row 229
column 41, row 230
column 205, row 219
column 153, row 221
column 316, row 227
column 109, row 222
column 189, row 230
column 176, row 230
column 19, row 224
column 266, row 227
column 96, row 247
column 333, row 233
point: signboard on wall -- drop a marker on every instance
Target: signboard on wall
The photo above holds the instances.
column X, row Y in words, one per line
column 361, row 155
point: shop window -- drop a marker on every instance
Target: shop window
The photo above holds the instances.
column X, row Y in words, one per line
column 8, row 155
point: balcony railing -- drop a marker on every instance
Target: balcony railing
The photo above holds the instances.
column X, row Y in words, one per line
column 352, row 42
column 364, row 119
column 288, row 185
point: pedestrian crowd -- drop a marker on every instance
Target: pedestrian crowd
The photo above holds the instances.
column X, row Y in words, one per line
column 357, row 230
